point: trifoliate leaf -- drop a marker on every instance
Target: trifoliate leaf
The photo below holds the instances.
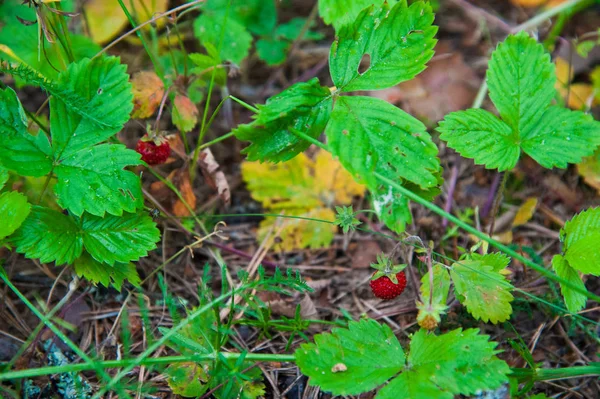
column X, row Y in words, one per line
column 352, row 360
column 106, row 19
column 370, row 135
column 581, row 236
column 53, row 236
column 187, row 379
column 574, row 300
column 96, row 272
column 304, row 188
column 398, row 42
column 341, row 12
column 49, row 236
column 304, row 107
column 482, row 289
column 236, row 39
column 440, row 367
column 21, row 151
column 118, row 239
column 14, row 209
column 185, row 113
column 148, row 91
column 94, row 181
column 521, row 82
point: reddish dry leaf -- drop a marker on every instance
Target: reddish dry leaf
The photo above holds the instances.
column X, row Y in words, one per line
column 185, row 113
column 213, row 176
column 148, row 91
column 186, row 190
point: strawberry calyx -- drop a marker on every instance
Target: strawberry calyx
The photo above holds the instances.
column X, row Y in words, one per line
column 385, row 268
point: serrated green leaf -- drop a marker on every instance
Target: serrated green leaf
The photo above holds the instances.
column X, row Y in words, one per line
column 399, row 42
column 480, row 135
column 521, row 80
column 187, row 379
column 272, row 51
column 497, row 260
column 304, row 106
column 96, row 272
column 341, row 12
column 49, row 236
column 94, row 181
column 370, row 135
column 581, row 236
column 103, row 84
column 574, row 300
column 482, row 289
column 236, row 39
column 14, row 209
column 118, row 239
column 366, row 353
column 20, row 151
column 441, row 285
column 440, row 367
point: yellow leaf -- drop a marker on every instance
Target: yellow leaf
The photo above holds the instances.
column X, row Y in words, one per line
column 105, row 18
column 301, row 233
column 301, row 187
column 148, row 91
column 579, row 94
column 589, row 169
column 564, row 73
column 185, row 113
column 525, row 212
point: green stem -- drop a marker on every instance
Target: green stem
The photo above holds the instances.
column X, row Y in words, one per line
column 524, row 375
column 244, row 104
column 217, row 140
column 157, row 66
column 166, row 360
column 538, row 19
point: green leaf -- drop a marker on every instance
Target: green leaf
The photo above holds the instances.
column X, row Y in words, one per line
column 20, row 151
column 52, row 236
column 352, row 360
column 391, row 207
column 304, row 107
column 441, row 285
column 341, row 12
column 581, row 236
column 236, row 39
column 187, row 379
column 94, row 181
column 370, row 135
column 3, row 176
column 481, row 287
column 521, row 81
column 480, row 135
column 292, row 29
column 96, row 272
column 272, row 51
column 259, row 16
column 103, row 84
column 573, row 299
column 14, row 209
column 49, row 236
column 440, row 367
column 399, row 42
column 118, row 239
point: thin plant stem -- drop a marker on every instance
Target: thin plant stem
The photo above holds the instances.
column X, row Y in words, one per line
column 497, row 201
column 217, row 140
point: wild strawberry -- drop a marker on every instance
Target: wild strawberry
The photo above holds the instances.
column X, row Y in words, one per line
column 388, row 281
column 154, row 151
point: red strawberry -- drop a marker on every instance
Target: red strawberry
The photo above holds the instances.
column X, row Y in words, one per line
column 389, row 280
column 384, row 288
column 153, row 151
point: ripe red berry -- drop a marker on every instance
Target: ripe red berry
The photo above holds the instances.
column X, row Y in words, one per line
column 384, row 288
column 153, row 153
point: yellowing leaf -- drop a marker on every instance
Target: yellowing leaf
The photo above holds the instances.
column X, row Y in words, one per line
column 589, row 169
column 185, row 113
column 577, row 95
column 525, row 212
column 301, row 187
column 148, row 91
column 106, row 18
